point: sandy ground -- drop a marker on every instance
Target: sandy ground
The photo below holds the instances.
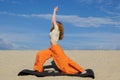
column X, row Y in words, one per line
column 106, row 64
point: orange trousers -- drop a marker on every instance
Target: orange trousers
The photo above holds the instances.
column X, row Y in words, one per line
column 65, row 64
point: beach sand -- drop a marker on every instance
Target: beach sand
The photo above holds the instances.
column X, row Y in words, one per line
column 105, row 63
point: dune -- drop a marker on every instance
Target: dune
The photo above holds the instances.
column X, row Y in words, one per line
column 105, row 63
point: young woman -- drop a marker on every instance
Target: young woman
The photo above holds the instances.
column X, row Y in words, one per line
column 64, row 64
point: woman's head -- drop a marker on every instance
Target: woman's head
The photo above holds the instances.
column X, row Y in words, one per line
column 61, row 29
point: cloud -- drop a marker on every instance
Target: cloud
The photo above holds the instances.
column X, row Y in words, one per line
column 89, row 21
column 95, row 1
column 22, row 41
column 4, row 45
column 80, row 21
column 98, row 41
column 15, row 2
column 89, row 1
column 23, row 37
column 11, row 1
column 74, row 19
column 2, row 0
column 111, row 7
column 118, row 7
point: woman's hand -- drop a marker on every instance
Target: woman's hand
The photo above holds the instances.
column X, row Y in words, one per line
column 56, row 8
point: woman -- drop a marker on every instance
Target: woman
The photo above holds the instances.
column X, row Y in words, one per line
column 64, row 64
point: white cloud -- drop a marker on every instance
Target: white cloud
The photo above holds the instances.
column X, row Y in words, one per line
column 89, row 1
column 11, row 1
column 2, row 0
column 9, row 42
column 74, row 19
column 79, row 21
column 15, row 2
column 118, row 7
column 89, row 21
column 25, row 37
column 92, row 1
column 96, row 1
column 4, row 45
column 26, row 40
column 45, row 16
column 110, row 41
column 111, row 7
column 109, row 36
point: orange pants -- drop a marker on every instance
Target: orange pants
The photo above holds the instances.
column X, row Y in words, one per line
column 65, row 64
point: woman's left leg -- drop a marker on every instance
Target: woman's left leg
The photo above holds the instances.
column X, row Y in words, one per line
column 41, row 57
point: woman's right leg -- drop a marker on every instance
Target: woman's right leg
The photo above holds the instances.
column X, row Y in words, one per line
column 41, row 57
column 62, row 61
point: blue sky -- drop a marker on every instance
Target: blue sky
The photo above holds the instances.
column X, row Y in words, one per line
column 89, row 24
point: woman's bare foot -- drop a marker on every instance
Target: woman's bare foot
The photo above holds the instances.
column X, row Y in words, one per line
column 84, row 72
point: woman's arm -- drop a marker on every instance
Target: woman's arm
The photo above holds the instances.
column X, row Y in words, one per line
column 54, row 17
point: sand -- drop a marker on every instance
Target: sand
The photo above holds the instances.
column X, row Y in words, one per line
column 106, row 64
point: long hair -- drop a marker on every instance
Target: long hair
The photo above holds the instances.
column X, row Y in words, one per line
column 61, row 29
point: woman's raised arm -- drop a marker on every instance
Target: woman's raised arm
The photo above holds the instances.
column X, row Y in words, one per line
column 54, row 16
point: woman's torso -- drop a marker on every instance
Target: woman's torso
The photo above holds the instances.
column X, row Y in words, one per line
column 54, row 34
